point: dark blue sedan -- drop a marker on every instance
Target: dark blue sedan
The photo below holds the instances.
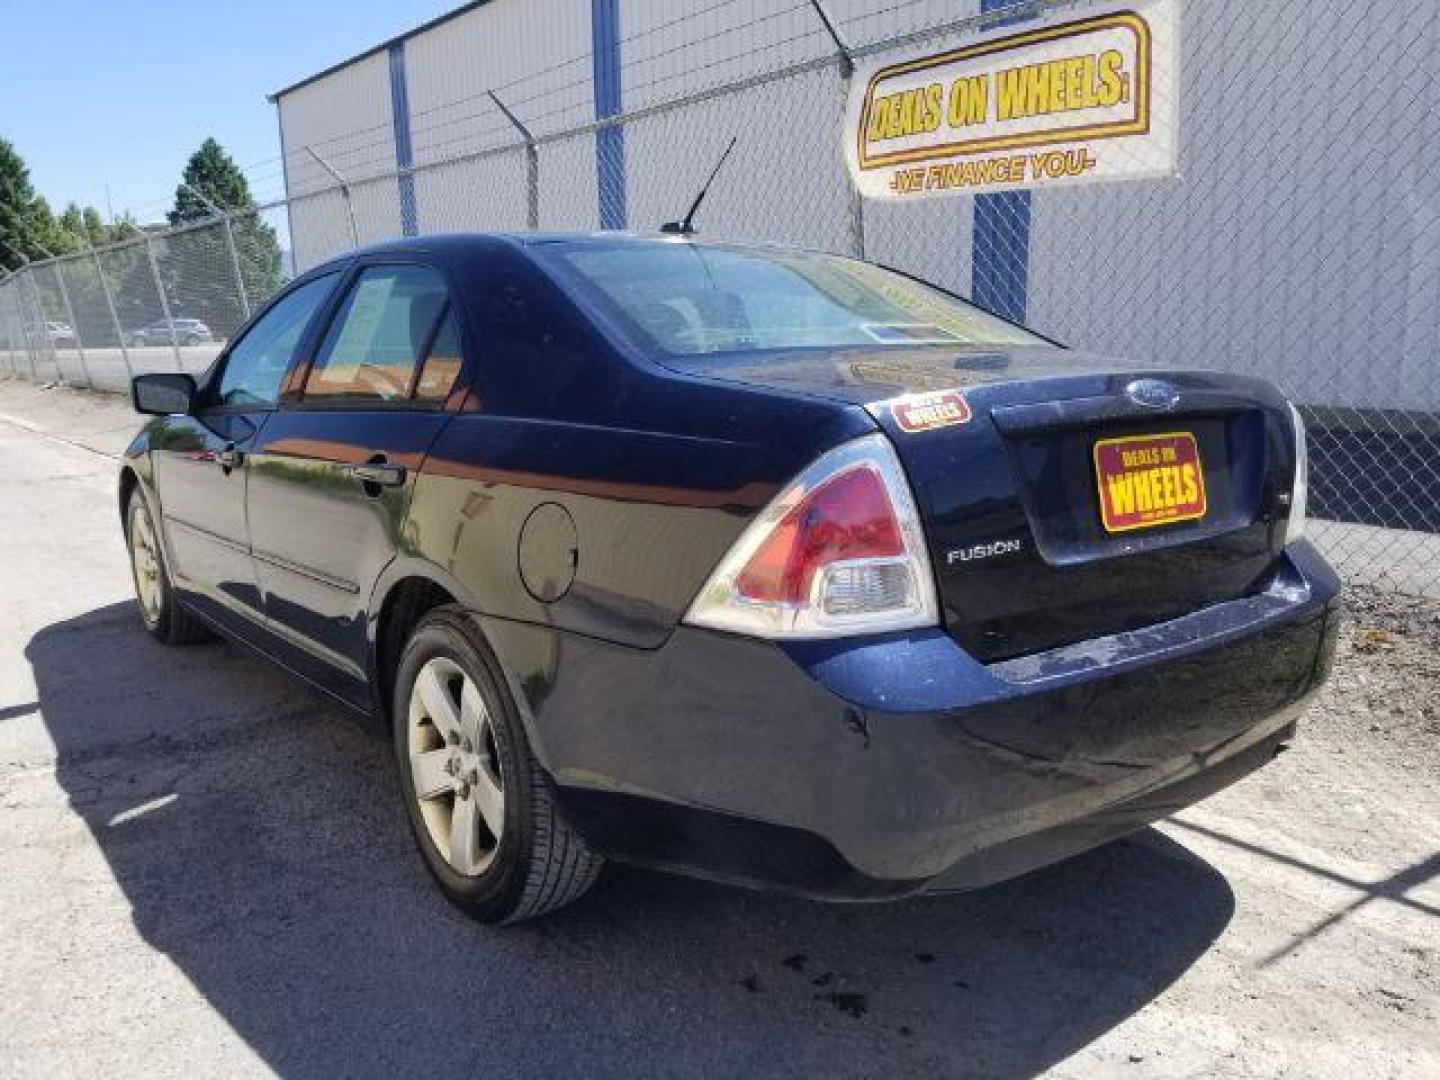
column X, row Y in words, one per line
column 766, row 566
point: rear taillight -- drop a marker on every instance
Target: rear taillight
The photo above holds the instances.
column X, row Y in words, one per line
column 1299, row 490
column 840, row 551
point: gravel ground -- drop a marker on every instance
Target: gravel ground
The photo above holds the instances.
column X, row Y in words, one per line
column 206, row 874
column 1385, row 695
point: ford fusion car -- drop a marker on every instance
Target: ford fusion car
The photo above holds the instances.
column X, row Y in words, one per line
column 766, row 566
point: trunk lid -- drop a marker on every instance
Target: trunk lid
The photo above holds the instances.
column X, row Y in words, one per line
column 1065, row 496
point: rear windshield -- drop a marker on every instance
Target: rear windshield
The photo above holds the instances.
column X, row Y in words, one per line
column 691, row 299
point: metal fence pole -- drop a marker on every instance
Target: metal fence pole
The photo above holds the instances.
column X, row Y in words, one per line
column 164, row 302
column 235, row 266
column 6, row 323
column 58, row 270
column 8, row 289
column 37, row 306
column 114, row 315
column 532, row 164
column 847, row 72
column 74, row 324
column 230, row 243
column 344, row 194
column 20, row 276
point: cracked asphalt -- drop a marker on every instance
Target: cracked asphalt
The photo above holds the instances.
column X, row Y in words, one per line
column 205, row 873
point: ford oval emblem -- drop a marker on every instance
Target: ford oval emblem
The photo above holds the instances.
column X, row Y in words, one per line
column 1153, row 393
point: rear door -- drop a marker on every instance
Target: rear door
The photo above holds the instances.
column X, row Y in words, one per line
column 201, row 461
column 332, row 472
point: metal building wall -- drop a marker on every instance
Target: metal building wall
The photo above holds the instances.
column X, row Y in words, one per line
column 535, row 55
column 344, row 117
column 1277, row 170
column 1293, row 242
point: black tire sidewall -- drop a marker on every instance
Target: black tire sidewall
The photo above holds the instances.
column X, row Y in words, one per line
column 494, row 893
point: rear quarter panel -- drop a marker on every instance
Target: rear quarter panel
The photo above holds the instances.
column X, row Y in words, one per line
column 659, row 471
column 653, row 510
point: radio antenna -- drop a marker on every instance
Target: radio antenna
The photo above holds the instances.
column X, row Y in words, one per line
column 686, row 227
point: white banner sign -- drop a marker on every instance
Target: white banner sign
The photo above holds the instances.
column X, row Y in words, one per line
column 1064, row 100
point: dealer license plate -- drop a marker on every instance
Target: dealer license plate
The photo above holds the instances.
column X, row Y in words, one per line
column 1149, row 480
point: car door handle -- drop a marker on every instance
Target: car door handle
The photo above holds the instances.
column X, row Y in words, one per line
column 378, row 475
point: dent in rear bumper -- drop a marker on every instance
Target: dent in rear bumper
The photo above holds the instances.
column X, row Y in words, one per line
column 902, row 756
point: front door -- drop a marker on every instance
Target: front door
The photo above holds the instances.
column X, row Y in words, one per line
column 331, row 476
column 200, row 479
column 201, row 463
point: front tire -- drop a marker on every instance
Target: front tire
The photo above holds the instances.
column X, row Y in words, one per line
column 162, row 615
column 480, row 807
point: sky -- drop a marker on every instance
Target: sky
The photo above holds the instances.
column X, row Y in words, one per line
column 122, row 92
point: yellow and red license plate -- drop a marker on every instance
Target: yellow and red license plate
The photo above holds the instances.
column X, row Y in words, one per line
column 1148, row 480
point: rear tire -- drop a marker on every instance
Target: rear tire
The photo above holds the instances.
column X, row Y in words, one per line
column 481, row 809
column 161, row 613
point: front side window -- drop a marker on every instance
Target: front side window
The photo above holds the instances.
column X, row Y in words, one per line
column 382, row 330
column 257, row 364
column 693, row 299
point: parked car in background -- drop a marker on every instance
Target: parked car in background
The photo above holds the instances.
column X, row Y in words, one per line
column 187, row 332
column 761, row 565
column 61, row 335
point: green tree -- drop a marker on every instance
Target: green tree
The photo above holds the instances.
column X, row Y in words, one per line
column 200, row 276
column 210, row 172
column 19, row 210
column 29, row 226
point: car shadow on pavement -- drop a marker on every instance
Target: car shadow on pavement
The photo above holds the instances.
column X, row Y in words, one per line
column 256, row 835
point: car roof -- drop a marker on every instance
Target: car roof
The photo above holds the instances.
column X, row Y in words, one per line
column 461, row 244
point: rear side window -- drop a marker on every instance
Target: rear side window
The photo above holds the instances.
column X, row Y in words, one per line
column 374, row 346
column 442, row 362
column 257, row 364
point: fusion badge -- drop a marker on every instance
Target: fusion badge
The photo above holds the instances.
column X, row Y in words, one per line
column 925, row 412
column 1148, row 480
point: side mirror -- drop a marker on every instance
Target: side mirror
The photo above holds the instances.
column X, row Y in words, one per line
column 163, row 394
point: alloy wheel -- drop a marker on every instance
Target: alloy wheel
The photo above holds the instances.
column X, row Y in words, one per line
column 455, row 766
column 145, row 564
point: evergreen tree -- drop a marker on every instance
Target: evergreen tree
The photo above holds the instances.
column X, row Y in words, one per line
column 17, row 209
column 212, row 173
column 207, row 289
column 29, row 226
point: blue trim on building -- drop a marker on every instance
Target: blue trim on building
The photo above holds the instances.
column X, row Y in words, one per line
column 404, row 152
column 1000, row 244
column 610, row 141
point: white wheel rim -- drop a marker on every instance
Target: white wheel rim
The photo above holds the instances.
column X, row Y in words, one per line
column 145, row 562
column 455, row 767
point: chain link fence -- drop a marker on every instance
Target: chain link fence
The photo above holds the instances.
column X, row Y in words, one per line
column 1299, row 241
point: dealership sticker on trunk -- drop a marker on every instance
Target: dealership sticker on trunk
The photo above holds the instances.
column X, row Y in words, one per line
column 925, row 412
column 1147, row 480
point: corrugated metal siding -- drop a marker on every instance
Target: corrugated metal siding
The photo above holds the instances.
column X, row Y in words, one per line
column 1287, row 246
column 536, row 56
column 346, row 118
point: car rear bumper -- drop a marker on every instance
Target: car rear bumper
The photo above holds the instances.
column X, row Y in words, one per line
column 897, row 764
